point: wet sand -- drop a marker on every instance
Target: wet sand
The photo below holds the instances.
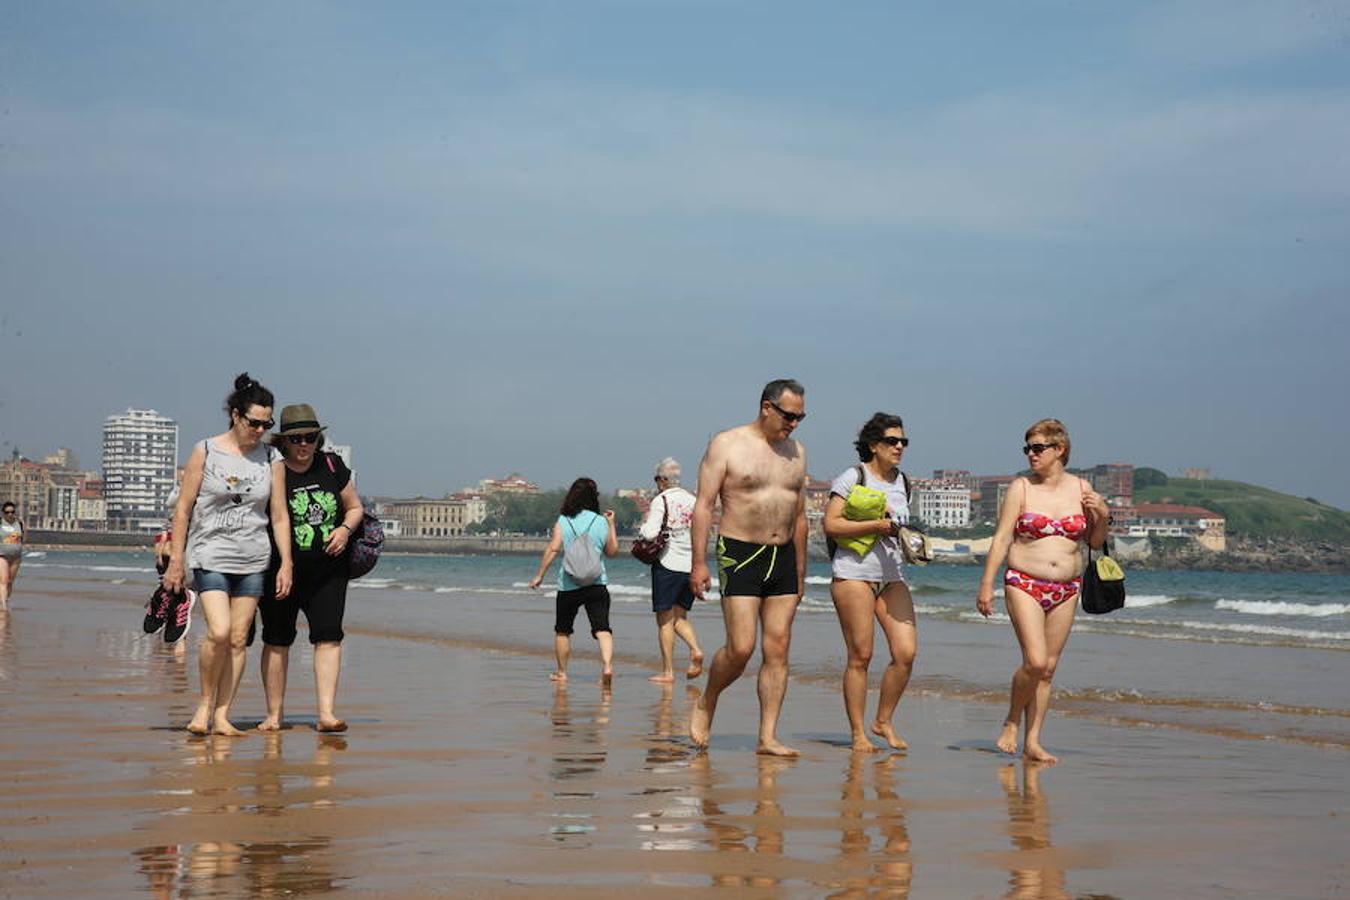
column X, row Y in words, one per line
column 466, row 773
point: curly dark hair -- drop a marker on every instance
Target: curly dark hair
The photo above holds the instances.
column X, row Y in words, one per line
column 872, row 433
column 246, row 393
column 583, row 494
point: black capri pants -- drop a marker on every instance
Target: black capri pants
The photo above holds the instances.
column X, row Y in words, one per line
column 321, row 591
column 594, row 597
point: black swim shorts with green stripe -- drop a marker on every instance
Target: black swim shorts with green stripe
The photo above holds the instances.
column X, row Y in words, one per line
column 756, row 570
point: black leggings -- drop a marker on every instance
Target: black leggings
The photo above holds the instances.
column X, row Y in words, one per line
column 594, row 597
column 321, row 591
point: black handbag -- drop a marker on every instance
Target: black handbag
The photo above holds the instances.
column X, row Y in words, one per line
column 1103, row 583
column 649, row 550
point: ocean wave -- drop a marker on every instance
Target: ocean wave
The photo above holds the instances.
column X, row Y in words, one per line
column 373, row 583
column 818, row 579
column 1133, row 601
column 138, row 569
column 1272, row 630
column 1283, row 608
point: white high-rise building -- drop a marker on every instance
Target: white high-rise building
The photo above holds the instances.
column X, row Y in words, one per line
column 140, row 461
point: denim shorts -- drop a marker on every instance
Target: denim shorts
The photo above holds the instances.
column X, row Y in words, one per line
column 234, row 585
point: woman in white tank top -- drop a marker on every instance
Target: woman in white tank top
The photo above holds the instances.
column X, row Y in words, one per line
column 230, row 485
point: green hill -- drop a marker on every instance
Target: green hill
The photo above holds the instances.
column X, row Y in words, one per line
column 1253, row 511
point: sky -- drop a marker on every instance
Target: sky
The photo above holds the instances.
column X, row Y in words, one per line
column 569, row 239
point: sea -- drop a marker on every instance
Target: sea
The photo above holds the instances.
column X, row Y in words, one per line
column 1251, row 656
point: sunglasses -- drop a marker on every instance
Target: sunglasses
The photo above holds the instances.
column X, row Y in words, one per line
column 791, row 417
column 264, row 424
column 895, row 441
column 1037, row 448
column 302, row 438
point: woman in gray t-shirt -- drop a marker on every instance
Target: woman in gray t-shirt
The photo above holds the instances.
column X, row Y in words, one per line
column 230, row 485
column 870, row 589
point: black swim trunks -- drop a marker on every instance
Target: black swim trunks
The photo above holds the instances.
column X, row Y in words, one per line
column 756, row 570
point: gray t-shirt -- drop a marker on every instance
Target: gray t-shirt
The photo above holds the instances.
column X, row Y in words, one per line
column 228, row 532
column 885, row 561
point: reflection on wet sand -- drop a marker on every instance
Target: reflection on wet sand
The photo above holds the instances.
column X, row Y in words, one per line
column 579, row 752
column 1029, row 828
column 7, row 668
column 727, row 833
column 892, row 871
column 250, row 868
column 667, row 824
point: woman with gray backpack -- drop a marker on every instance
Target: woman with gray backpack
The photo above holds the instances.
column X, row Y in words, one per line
column 583, row 537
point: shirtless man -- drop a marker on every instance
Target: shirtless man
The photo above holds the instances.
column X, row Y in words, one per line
column 759, row 473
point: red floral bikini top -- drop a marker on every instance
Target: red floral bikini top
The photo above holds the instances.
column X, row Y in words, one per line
column 1036, row 526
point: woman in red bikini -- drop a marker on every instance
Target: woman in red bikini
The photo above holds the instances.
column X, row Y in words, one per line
column 1042, row 520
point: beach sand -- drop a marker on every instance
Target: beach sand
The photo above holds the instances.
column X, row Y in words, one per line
column 466, row 773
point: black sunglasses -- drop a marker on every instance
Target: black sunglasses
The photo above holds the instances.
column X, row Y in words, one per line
column 895, row 441
column 1037, row 448
column 264, row 424
column 303, row 438
column 789, row 416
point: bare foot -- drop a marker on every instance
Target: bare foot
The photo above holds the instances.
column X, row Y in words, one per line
column 862, row 744
column 269, row 724
column 700, row 723
column 1007, row 738
column 607, row 678
column 557, row 676
column 663, row 678
column 330, row 726
column 886, row 732
column 200, row 723
column 225, row 729
column 1037, row 753
column 695, row 666
column 774, row 748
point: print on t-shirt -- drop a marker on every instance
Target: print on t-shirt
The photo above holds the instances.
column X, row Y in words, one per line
column 311, row 508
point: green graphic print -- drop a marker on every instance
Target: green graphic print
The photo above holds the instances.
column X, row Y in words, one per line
column 308, row 510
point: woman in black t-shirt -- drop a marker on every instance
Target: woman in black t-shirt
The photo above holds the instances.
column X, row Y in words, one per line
column 324, row 508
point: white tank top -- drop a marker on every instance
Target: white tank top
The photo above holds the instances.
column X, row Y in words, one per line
column 228, row 532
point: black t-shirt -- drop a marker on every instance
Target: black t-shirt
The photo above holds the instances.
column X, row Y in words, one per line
column 314, row 499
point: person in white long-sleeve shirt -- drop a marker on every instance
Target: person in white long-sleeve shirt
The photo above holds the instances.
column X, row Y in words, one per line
column 672, row 598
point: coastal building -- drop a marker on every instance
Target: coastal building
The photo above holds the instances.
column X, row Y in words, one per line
column 140, row 458
column 63, row 505
column 25, row 483
column 1114, row 481
column 515, row 483
column 91, row 513
column 1207, row 527
column 430, row 517
column 993, row 488
column 940, row 504
column 958, row 476
column 1196, row 473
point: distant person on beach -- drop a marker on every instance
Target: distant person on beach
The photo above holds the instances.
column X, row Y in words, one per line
column 672, row 509
column 580, row 519
column 229, row 489
column 870, row 588
column 324, row 511
column 758, row 471
column 1043, row 519
column 11, row 550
